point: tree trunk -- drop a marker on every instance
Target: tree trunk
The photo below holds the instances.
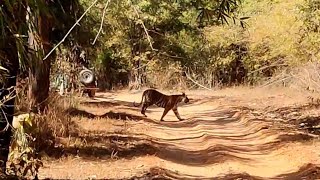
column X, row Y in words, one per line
column 137, row 73
column 39, row 73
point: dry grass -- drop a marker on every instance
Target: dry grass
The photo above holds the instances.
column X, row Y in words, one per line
column 54, row 122
column 164, row 77
column 304, row 78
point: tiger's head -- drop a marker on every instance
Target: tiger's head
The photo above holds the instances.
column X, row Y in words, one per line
column 185, row 98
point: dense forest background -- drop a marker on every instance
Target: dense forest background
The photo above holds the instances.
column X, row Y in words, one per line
column 150, row 43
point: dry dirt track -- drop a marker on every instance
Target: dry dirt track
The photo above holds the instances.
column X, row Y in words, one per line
column 229, row 134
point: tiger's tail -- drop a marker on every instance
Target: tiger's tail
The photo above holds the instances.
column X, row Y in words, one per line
column 134, row 103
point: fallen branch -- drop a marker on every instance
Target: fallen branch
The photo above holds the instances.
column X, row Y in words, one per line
column 274, row 82
column 75, row 24
column 195, row 82
column 102, row 19
column 266, row 67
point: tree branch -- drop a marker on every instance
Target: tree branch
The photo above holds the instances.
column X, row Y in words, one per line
column 103, row 15
column 8, row 124
column 195, row 82
column 144, row 28
column 75, row 24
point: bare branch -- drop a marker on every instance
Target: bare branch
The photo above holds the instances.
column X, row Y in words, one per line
column 195, row 82
column 75, row 24
column 102, row 19
column 144, row 27
column 170, row 56
column 8, row 124
column 274, row 81
column 266, row 67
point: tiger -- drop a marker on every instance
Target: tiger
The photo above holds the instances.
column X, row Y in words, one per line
column 168, row 102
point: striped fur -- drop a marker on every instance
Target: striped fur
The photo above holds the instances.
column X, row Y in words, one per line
column 168, row 102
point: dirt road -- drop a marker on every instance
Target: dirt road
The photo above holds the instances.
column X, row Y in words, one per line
column 228, row 134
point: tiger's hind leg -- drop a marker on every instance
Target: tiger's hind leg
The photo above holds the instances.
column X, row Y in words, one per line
column 144, row 108
column 166, row 110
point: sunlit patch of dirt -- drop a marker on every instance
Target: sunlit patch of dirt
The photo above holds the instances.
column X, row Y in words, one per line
column 236, row 133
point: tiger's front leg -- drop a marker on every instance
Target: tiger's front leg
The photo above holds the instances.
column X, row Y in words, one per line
column 166, row 110
column 175, row 110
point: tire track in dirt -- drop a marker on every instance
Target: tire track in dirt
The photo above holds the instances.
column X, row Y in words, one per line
column 221, row 142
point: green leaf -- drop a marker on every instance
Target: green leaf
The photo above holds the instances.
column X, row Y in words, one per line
column 4, row 69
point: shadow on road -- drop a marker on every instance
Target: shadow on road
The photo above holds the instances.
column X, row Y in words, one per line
column 309, row 171
column 110, row 114
column 116, row 146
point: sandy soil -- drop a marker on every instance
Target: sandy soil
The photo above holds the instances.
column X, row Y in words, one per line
column 228, row 134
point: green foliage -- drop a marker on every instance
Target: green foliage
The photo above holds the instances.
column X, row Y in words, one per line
column 138, row 32
column 111, row 70
column 310, row 32
column 311, row 15
column 270, row 39
column 22, row 160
